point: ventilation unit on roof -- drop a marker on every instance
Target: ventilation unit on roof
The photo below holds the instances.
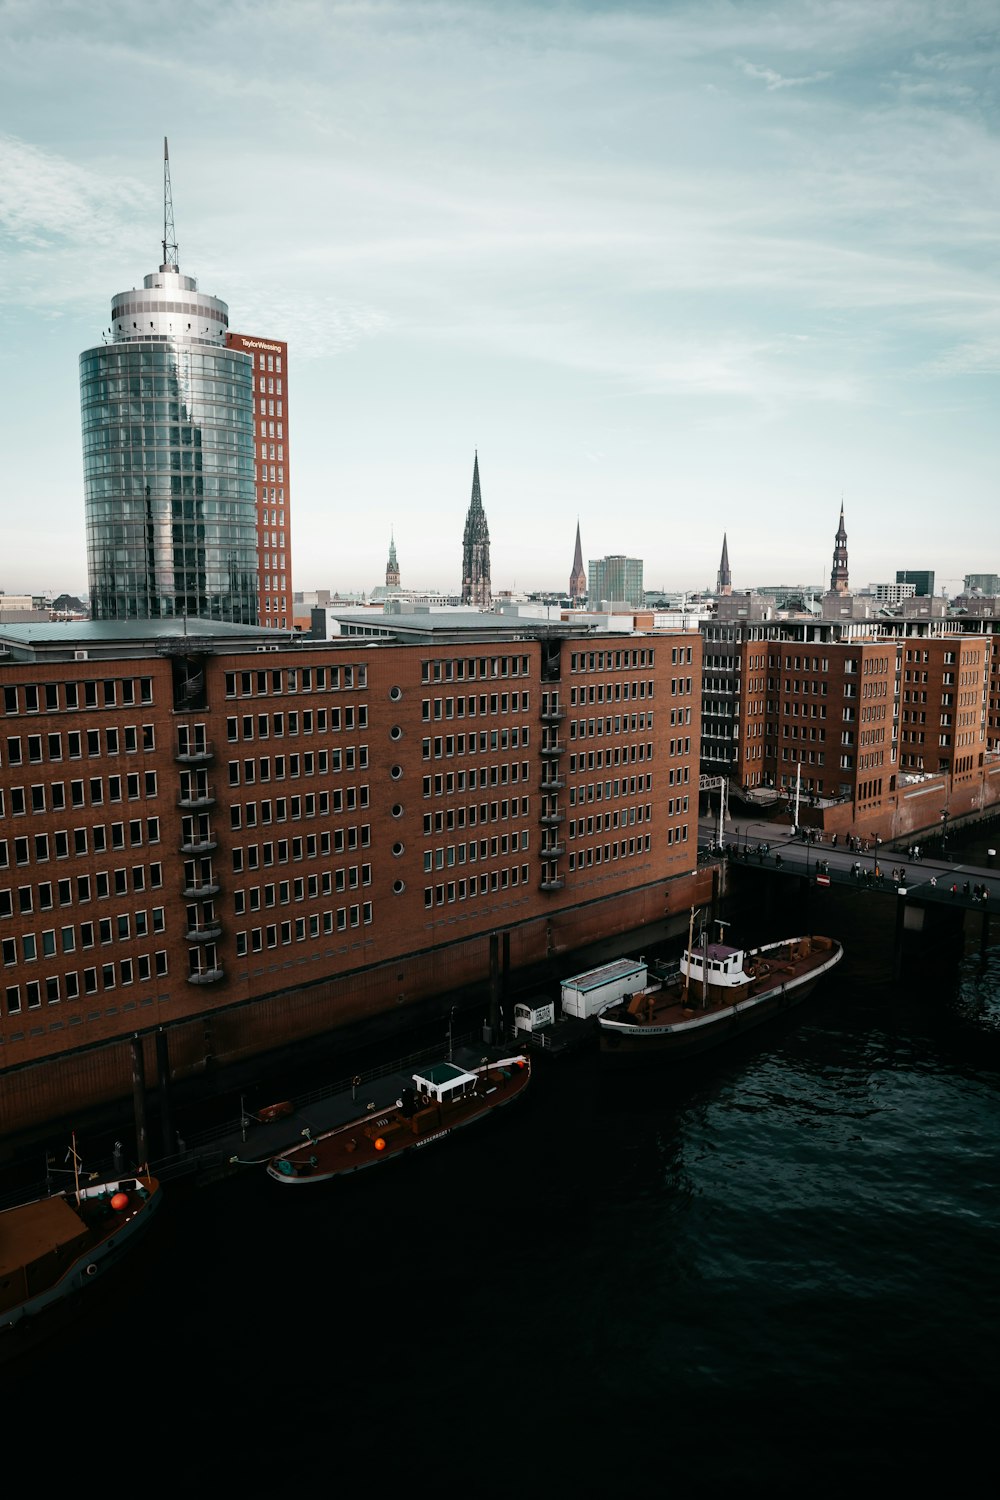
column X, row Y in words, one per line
column 79, row 655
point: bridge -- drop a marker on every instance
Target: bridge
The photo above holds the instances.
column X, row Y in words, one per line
column 929, row 878
column 925, row 884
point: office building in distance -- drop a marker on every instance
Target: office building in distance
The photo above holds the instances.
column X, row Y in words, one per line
column 615, row 580
column 922, row 580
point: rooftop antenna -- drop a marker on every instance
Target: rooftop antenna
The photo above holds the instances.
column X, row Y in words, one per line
column 169, row 232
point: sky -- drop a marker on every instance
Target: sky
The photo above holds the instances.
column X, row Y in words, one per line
column 675, row 270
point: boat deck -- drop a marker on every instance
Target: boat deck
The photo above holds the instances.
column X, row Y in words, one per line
column 379, row 1135
column 671, row 1004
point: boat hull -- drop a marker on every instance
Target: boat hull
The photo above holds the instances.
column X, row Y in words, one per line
column 627, row 1042
column 87, row 1267
column 355, row 1147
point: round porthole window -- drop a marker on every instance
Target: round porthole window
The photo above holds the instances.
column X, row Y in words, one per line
column 397, row 809
column 395, row 733
column 395, row 693
column 396, row 772
column 398, row 887
column 397, row 849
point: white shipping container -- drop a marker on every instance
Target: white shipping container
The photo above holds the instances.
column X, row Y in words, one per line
column 591, row 993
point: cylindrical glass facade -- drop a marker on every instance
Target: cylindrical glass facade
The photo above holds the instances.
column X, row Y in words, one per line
column 168, row 456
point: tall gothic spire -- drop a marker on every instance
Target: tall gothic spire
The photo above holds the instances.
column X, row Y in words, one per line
column 724, row 583
column 578, row 576
column 839, row 583
column 476, row 549
column 392, row 566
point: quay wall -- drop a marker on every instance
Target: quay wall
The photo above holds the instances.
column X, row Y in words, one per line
column 397, row 990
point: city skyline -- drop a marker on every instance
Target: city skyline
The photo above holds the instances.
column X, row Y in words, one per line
column 653, row 263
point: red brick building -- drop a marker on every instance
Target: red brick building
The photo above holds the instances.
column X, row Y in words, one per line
column 274, row 514
column 233, row 842
column 944, row 717
column 858, row 722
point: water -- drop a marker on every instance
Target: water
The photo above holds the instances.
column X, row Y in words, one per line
column 772, row 1273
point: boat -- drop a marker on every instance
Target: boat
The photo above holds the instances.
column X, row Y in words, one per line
column 56, row 1246
column 717, row 992
column 443, row 1098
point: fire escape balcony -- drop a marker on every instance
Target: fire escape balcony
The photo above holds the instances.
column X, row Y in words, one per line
column 551, row 883
column 552, row 851
column 206, row 976
column 554, row 715
column 552, row 817
column 553, row 783
column 196, row 755
column 554, row 747
column 196, row 799
column 200, row 843
column 201, row 892
column 206, row 934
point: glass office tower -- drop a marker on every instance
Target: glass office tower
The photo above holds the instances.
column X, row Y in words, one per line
column 168, row 456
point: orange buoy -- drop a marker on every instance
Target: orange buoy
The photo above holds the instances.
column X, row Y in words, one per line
column 119, row 1201
column 380, row 1143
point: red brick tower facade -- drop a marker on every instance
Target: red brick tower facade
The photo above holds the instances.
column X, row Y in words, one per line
column 274, row 529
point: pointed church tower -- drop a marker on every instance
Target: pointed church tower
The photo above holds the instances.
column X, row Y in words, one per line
column 392, row 566
column 838, row 577
column 724, row 583
column 578, row 577
column 476, row 549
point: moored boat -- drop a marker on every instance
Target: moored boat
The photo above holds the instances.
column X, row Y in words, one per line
column 716, row 993
column 442, row 1099
column 63, row 1244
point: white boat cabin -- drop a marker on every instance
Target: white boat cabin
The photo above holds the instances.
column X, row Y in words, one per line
column 444, row 1082
column 534, row 1015
column 715, row 964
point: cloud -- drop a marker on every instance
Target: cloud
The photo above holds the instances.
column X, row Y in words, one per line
column 48, row 200
column 775, row 80
column 320, row 326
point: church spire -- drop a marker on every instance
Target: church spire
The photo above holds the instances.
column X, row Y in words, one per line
column 724, row 583
column 392, row 566
column 839, row 582
column 578, row 577
column 476, row 549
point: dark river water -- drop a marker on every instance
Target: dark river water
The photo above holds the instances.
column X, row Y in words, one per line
column 773, row 1272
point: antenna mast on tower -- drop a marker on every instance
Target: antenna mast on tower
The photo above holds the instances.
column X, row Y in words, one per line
column 169, row 232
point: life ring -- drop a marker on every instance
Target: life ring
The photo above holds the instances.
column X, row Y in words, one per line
column 91, row 1269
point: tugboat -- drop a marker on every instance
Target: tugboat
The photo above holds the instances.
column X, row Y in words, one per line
column 443, row 1098
column 718, row 992
column 56, row 1246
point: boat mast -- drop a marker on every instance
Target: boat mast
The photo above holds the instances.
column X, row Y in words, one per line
column 76, row 1170
column 687, row 971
